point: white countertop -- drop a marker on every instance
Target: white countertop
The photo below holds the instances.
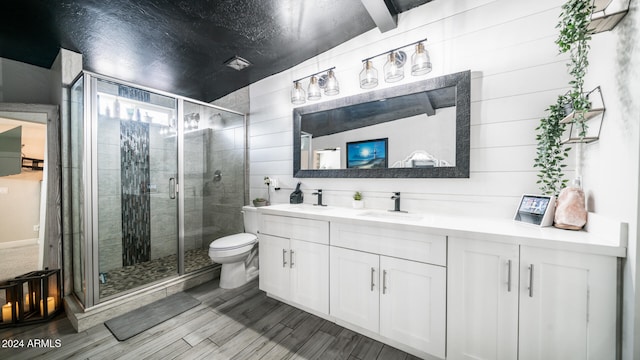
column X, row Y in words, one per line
column 609, row 239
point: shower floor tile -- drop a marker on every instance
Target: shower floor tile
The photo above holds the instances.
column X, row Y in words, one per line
column 133, row 276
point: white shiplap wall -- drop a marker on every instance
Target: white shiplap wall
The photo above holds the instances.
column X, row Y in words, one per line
column 516, row 73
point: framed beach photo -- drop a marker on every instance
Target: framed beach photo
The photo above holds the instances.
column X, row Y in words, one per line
column 368, row 154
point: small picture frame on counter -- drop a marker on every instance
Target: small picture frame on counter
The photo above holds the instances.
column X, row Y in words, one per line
column 536, row 210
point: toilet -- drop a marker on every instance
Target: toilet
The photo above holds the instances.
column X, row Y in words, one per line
column 238, row 253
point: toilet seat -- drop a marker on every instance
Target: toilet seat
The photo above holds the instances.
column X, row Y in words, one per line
column 232, row 245
column 234, row 241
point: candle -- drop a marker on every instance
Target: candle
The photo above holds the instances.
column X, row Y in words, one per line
column 28, row 300
column 7, row 316
column 51, row 306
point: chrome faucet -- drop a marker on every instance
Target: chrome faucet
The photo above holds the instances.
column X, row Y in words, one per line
column 396, row 197
column 319, row 193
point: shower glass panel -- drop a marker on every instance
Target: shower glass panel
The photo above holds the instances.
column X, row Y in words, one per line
column 214, row 179
column 75, row 190
column 150, row 180
column 136, row 178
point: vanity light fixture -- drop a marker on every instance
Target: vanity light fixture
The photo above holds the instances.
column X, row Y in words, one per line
column 314, row 89
column 327, row 82
column 394, row 67
column 298, row 96
column 331, row 86
column 420, row 61
column 368, row 75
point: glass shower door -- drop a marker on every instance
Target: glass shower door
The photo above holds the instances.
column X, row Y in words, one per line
column 136, row 199
column 214, row 179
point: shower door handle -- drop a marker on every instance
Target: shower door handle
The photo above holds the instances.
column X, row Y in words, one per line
column 172, row 188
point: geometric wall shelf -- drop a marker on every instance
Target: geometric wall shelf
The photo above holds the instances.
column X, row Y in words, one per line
column 602, row 21
column 595, row 116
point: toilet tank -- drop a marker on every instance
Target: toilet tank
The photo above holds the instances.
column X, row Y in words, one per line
column 250, row 215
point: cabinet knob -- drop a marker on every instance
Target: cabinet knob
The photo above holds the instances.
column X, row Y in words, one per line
column 284, row 258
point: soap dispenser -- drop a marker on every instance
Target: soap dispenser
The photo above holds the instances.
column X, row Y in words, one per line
column 296, row 196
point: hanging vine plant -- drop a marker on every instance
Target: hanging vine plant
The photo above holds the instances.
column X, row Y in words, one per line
column 574, row 38
column 551, row 153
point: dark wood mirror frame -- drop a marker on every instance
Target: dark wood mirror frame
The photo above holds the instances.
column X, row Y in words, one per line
column 462, row 83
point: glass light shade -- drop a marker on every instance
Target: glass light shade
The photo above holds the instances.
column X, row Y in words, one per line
column 298, row 96
column 331, row 87
column 420, row 62
column 368, row 76
column 393, row 70
column 314, row 89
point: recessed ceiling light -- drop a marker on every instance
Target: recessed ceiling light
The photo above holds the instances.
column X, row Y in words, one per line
column 237, row 63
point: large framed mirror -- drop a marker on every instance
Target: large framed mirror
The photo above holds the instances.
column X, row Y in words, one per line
column 416, row 130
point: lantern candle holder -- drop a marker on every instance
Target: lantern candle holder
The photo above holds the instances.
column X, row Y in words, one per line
column 10, row 305
column 39, row 295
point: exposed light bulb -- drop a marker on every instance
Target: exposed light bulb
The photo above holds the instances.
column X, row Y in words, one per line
column 298, row 95
column 331, row 87
column 314, row 89
column 420, row 61
column 393, row 69
column 368, row 75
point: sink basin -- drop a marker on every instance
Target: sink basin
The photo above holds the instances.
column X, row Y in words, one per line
column 391, row 215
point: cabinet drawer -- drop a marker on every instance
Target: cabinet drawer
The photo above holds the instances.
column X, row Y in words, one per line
column 316, row 231
column 405, row 244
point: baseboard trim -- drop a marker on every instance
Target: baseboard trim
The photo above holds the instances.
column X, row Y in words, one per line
column 18, row 243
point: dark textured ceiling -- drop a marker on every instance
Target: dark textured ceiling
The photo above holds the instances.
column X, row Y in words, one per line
column 180, row 46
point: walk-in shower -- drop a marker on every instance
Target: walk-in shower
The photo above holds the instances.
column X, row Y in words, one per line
column 152, row 178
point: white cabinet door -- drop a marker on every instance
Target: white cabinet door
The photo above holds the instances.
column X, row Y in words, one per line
column 482, row 300
column 274, row 265
column 413, row 304
column 567, row 305
column 354, row 294
column 309, row 265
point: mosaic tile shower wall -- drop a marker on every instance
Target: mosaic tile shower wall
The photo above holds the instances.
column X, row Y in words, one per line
column 135, row 179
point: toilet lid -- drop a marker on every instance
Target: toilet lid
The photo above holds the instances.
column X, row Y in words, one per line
column 233, row 241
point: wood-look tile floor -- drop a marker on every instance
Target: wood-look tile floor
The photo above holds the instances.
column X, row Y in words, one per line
column 229, row 324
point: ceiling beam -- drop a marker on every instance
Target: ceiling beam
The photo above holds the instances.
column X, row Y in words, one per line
column 382, row 15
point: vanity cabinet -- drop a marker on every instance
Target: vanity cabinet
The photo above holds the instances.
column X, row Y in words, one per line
column 399, row 299
column 354, row 279
column 482, row 290
column 294, row 260
column 509, row 301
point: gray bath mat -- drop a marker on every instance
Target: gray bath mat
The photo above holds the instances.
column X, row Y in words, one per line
column 148, row 316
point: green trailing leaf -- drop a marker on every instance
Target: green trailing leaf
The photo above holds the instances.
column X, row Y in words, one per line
column 551, row 154
column 574, row 38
